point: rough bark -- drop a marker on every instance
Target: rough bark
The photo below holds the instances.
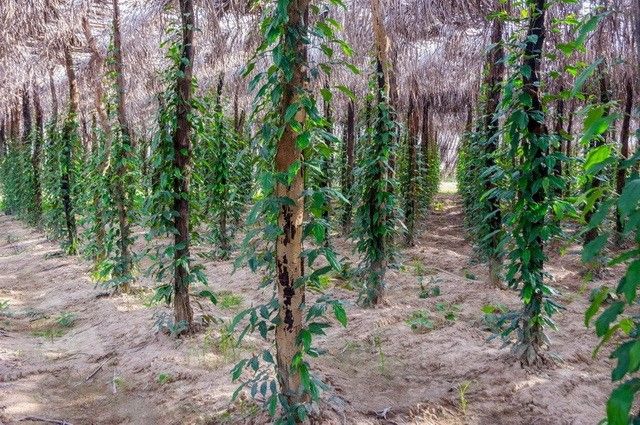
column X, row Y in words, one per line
column 425, row 132
column 15, row 124
column 54, row 97
column 182, row 163
column 26, row 116
column 289, row 261
column 97, row 64
column 69, row 132
column 558, row 128
column 621, row 175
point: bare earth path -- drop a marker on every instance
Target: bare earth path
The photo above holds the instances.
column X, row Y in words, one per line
column 109, row 366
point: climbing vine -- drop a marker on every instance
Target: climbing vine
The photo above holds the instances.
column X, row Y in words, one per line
column 288, row 111
column 377, row 211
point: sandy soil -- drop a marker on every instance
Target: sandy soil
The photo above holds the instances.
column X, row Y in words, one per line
column 110, row 366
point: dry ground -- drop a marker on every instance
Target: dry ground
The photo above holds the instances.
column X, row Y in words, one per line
column 110, row 366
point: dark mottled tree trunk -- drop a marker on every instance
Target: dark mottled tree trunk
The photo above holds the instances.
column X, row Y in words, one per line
column 621, row 175
column 182, row 163
column 289, row 260
column 69, row 134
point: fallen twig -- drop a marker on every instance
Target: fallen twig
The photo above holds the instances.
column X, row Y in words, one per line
column 113, row 381
column 47, row 420
column 97, row 370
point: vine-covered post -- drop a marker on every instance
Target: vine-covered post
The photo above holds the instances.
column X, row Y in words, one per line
column 289, row 261
column 123, row 181
column 410, row 189
column 493, row 85
column 375, row 215
column 182, row 163
column 69, row 139
column 534, row 146
column 3, row 140
column 38, row 137
column 348, row 158
column 26, row 116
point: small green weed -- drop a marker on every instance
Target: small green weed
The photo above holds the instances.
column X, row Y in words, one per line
column 66, row 319
column 164, row 378
column 229, row 301
column 449, row 311
column 462, row 395
column 420, row 322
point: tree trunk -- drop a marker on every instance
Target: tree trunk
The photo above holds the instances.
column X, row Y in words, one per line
column 621, row 175
column 325, row 181
column 222, row 184
column 97, row 63
column 532, row 329
column 347, row 174
column 69, row 133
column 54, row 98
column 425, row 133
column 410, row 209
column 289, row 260
column 3, row 140
column 26, row 116
column 182, row 164
column 15, row 124
column 494, row 76
column 36, row 155
column 123, row 185
column 559, row 124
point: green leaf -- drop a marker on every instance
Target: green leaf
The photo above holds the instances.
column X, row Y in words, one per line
column 584, row 75
column 595, row 304
column 596, row 156
column 629, row 197
column 332, row 259
column 630, row 281
column 620, row 401
column 594, row 247
column 607, row 317
column 340, row 313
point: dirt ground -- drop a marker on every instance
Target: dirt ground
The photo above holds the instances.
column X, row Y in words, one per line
column 68, row 352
